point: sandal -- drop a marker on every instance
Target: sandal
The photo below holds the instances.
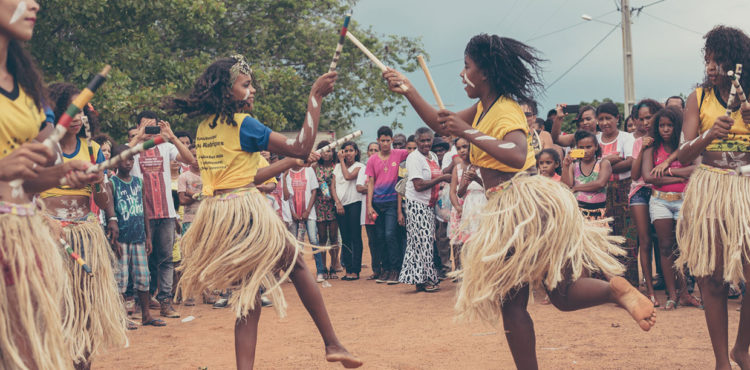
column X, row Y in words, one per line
column 332, row 274
column 670, row 306
column 431, row 288
column 350, row 278
column 654, row 301
column 131, row 325
column 691, row 300
column 155, row 322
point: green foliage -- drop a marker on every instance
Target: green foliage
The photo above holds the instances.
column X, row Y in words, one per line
column 569, row 126
column 158, row 49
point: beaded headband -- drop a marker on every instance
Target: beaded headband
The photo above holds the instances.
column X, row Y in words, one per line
column 240, row 67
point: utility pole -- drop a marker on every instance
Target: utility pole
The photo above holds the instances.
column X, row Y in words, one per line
column 627, row 57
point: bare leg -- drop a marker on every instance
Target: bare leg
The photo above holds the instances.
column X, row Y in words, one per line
column 246, row 337
column 311, row 298
column 145, row 299
column 519, row 329
column 665, row 233
column 715, row 292
column 589, row 292
column 333, row 239
column 740, row 351
column 641, row 217
column 322, row 241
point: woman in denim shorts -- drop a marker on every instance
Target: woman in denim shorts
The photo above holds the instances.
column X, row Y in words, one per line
column 666, row 200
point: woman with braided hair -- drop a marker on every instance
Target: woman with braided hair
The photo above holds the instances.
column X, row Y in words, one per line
column 531, row 231
column 236, row 235
column 712, row 231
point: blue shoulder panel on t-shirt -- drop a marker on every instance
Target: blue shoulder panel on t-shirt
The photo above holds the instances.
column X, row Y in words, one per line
column 253, row 135
column 100, row 157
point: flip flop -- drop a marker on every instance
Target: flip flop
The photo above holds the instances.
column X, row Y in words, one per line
column 155, row 322
column 131, row 325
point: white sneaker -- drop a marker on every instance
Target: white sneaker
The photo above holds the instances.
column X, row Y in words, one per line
column 321, row 278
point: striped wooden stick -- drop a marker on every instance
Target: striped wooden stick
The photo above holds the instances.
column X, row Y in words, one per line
column 738, row 88
column 113, row 161
column 372, row 56
column 339, row 141
column 733, row 90
column 76, row 257
column 340, row 45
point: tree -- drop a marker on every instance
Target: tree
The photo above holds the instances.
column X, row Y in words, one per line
column 158, row 49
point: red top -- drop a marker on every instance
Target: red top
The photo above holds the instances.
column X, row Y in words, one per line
column 661, row 156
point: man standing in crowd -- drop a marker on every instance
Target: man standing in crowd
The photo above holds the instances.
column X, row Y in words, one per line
column 382, row 199
column 153, row 166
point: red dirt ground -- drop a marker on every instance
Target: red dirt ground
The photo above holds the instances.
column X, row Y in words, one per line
column 392, row 327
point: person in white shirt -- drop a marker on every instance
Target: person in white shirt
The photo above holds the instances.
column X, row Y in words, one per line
column 153, row 167
column 617, row 148
column 422, row 190
column 349, row 207
column 300, row 191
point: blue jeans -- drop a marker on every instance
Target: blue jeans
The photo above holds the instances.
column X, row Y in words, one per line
column 309, row 227
column 160, row 261
column 386, row 232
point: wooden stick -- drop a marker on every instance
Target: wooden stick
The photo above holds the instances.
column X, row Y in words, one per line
column 427, row 74
column 733, row 90
column 339, row 142
column 738, row 88
column 372, row 56
column 129, row 153
column 340, row 45
column 76, row 257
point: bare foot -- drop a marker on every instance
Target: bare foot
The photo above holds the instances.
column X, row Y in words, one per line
column 639, row 307
column 741, row 358
column 337, row 353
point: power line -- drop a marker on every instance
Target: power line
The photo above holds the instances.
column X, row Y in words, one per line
column 568, row 27
column 583, row 57
column 673, row 24
column 554, row 13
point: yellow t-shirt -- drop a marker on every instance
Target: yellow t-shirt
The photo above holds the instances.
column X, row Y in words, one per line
column 229, row 155
column 81, row 153
column 739, row 134
column 20, row 119
column 503, row 117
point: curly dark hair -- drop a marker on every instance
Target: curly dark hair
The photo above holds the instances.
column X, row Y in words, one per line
column 727, row 46
column 512, row 67
column 211, row 95
column 674, row 115
column 61, row 95
column 354, row 146
column 104, row 138
column 22, row 67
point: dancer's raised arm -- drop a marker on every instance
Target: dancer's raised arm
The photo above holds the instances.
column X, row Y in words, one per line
column 426, row 111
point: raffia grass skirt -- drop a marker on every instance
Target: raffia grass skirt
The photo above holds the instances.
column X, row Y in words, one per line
column 236, row 238
column 530, row 232
column 715, row 210
column 32, row 294
column 98, row 318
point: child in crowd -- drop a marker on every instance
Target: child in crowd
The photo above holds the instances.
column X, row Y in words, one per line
column 325, row 210
column 548, row 163
column 300, row 190
column 666, row 200
column 588, row 176
column 640, row 191
column 467, row 198
column 135, row 237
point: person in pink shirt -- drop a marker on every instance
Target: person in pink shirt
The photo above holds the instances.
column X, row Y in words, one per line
column 382, row 199
column 666, row 200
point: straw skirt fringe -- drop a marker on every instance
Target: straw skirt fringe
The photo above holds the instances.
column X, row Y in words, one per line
column 530, row 232
column 716, row 210
column 237, row 238
column 31, row 295
column 98, row 317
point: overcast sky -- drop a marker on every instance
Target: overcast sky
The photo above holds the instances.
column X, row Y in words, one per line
column 666, row 36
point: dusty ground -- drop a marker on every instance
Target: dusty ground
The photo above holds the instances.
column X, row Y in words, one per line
column 392, row 327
